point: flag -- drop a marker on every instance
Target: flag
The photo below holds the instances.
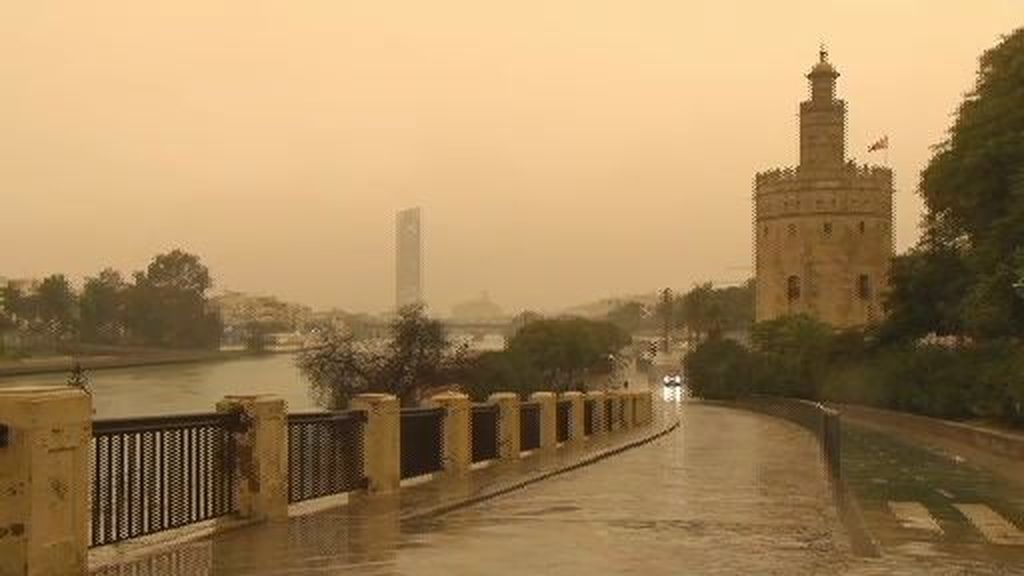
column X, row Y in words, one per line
column 882, row 144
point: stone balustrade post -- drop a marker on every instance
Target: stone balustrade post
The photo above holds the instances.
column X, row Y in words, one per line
column 456, row 448
column 548, row 419
column 649, row 407
column 45, row 460
column 629, row 409
column 381, row 442
column 575, row 415
column 599, row 422
column 508, row 424
column 616, row 414
column 261, row 456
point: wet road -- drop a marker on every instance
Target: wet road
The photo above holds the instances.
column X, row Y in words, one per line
column 730, row 492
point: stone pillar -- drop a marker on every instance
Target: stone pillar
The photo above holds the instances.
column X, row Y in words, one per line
column 649, row 407
column 614, row 396
column 575, row 415
column 600, row 425
column 457, row 452
column 641, row 408
column 629, row 400
column 261, row 456
column 548, row 422
column 381, row 447
column 45, row 461
column 508, row 424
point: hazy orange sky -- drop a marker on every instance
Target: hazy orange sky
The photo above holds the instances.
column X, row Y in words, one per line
column 562, row 151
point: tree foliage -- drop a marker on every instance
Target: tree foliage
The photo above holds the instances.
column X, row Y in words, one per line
column 166, row 305
column 102, row 308
column 967, row 273
column 416, row 356
column 563, row 350
column 709, row 311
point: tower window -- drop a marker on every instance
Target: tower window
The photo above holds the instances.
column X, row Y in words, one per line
column 766, row 231
column 864, row 287
column 792, row 229
column 793, row 288
column 860, row 226
column 828, row 228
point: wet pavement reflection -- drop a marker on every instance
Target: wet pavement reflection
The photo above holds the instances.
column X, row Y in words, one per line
column 729, row 492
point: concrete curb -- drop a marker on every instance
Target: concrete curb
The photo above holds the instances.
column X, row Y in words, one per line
column 490, row 495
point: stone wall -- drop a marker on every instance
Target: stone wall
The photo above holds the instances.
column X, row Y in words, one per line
column 826, row 231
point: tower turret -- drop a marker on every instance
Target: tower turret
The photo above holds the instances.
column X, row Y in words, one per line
column 822, row 119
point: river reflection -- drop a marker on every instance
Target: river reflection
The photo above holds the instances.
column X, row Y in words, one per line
column 178, row 388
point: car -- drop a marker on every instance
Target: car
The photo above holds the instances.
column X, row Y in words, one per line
column 672, row 380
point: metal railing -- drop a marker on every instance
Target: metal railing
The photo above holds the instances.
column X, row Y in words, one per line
column 588, row 417
column 157, row 473
column 529, row 426
column 563, row 418
column 420, row 432
column 609, row 414
column 483, row 428
column 325, row 454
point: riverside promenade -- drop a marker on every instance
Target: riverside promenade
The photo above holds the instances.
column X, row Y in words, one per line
column 685, row 487
column 726, row 492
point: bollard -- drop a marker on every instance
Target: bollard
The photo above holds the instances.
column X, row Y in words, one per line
column 599, row 427
column 381, row 442
column 456, row 449
column 261, row 456
column 508, row 424
column 575, row 415
column 45, row 481
column 548, row 422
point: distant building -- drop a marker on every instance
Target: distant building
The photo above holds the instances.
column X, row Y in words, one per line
column 408, row 258
column 238, row 309
column 476, row 310
column 823, row 230
column 26, row 286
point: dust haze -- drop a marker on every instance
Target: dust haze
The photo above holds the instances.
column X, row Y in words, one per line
column 561, row 151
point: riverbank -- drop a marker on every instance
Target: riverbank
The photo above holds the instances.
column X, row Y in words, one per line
column 59, row 364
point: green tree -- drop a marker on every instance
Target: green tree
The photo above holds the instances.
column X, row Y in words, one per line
column 564, row 350
column 102, row 308
column 718, row 369
column 973, row 189
column 56, row 306
column 417, row 356
column 927, row 289
column 709, row 311
column 791, row 355
column 167, row 304
column 630, row 317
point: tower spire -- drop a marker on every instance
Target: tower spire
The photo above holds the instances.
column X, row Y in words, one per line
column 823, row 53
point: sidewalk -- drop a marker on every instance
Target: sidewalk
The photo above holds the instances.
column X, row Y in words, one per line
column 364, row 527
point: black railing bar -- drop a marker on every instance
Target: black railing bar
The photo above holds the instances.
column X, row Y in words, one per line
column 304, row 417
column 416, row 412
column 177, row 421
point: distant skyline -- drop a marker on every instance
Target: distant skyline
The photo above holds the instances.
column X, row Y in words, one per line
column 565, row 151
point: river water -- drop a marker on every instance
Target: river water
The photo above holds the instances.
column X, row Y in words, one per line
column 182, row 388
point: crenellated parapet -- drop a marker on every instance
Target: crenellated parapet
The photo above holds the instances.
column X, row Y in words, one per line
column 856, row 190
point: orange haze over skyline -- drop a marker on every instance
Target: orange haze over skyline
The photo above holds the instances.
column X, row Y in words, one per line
column 561, row 151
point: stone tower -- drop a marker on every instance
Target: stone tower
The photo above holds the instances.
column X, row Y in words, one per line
column 408, row 258
column 823, row 230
